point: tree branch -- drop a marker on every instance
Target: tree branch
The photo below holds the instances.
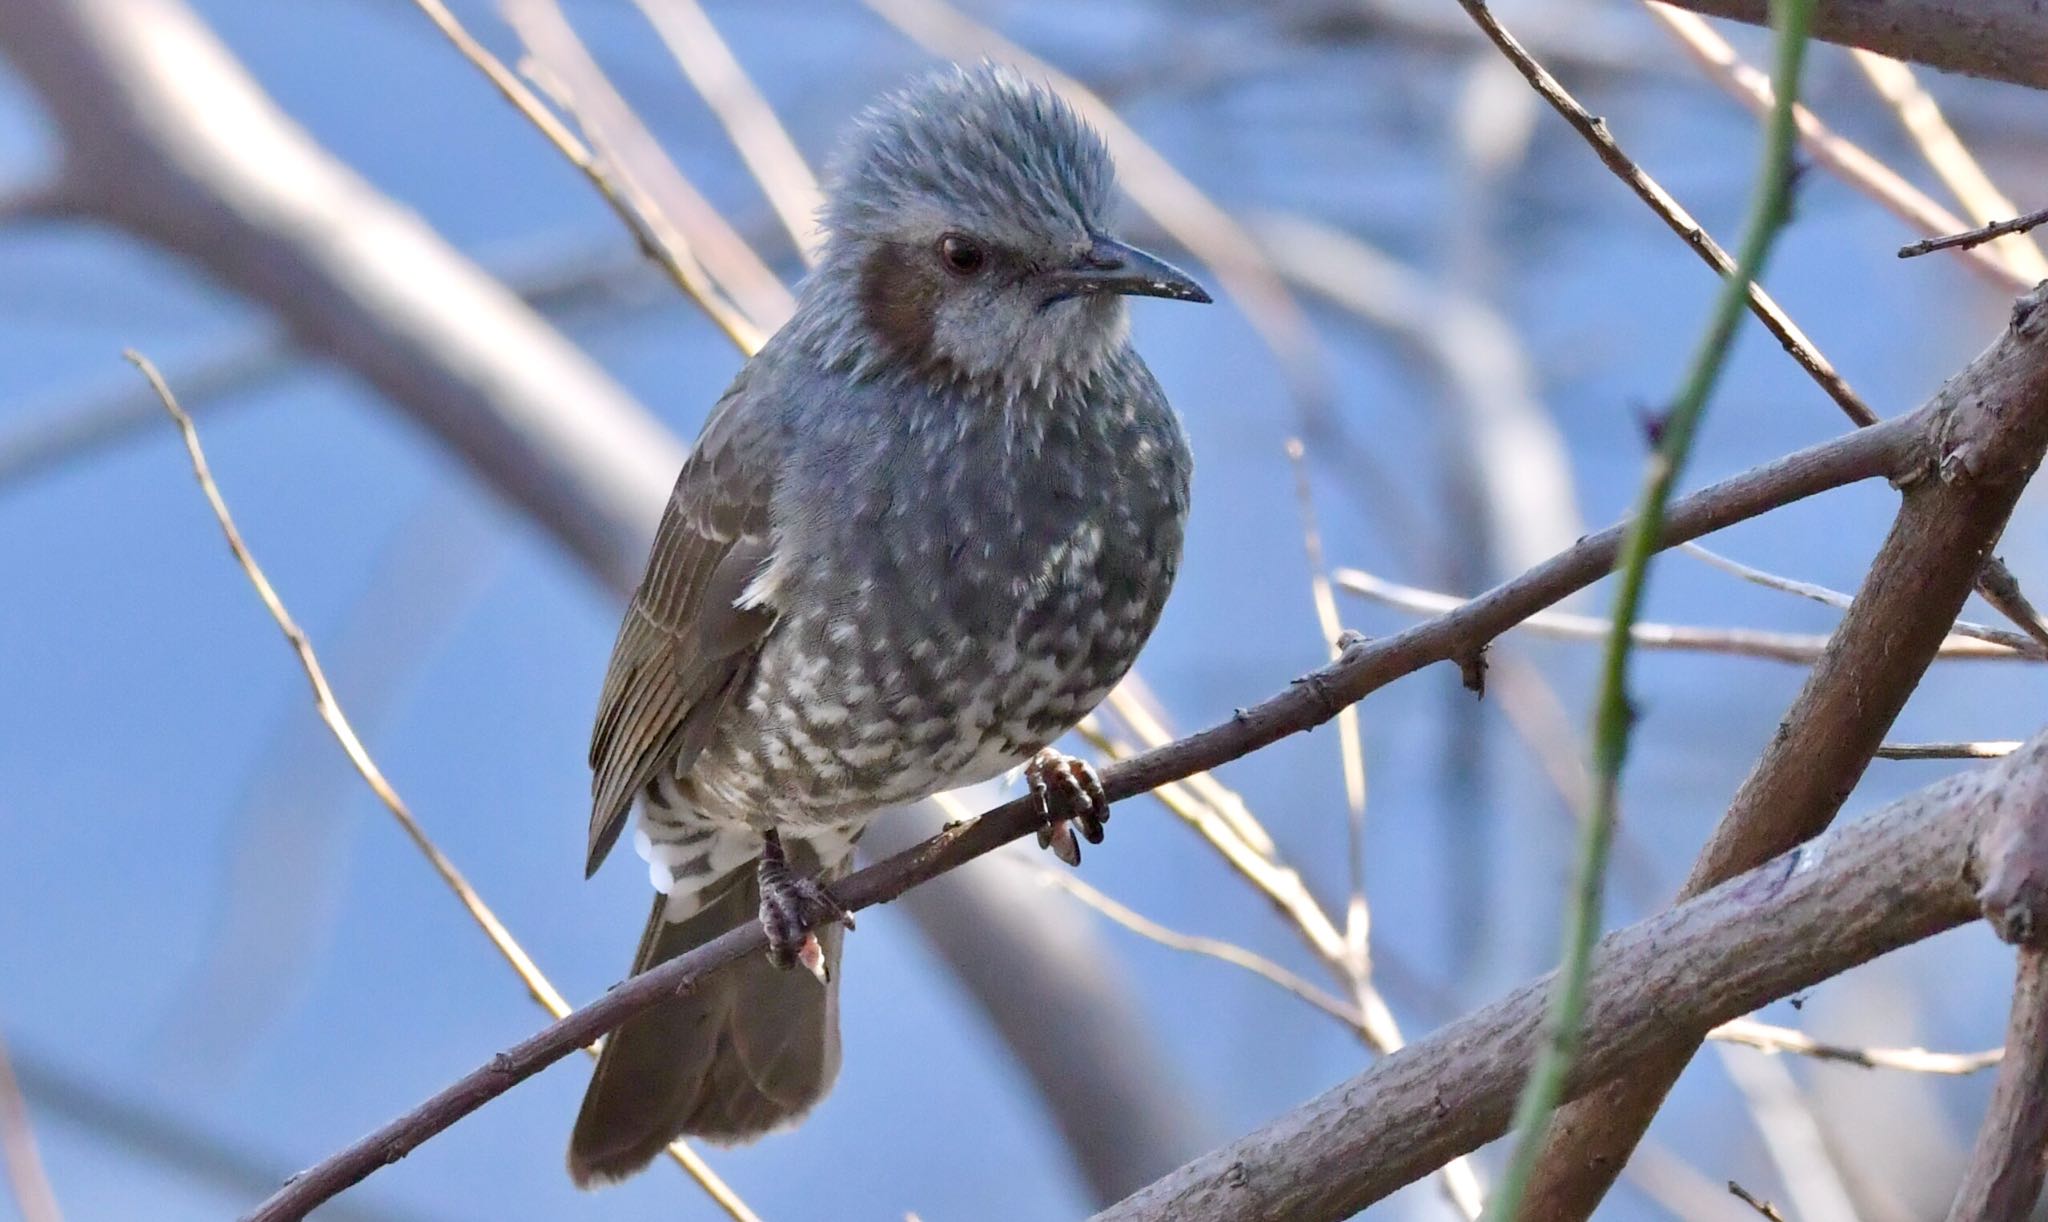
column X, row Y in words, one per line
column 1990, row 427
column 2005, row 40
column 2004, row 1178
column 1903, row 873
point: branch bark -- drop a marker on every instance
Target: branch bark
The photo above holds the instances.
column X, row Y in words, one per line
column 2005, row 40
column 166, row 136
column 1904, row 873
column 1989, row 427
column 2003, row 1182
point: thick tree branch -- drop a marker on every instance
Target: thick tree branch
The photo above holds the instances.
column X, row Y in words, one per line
column 2003, row 1182
column 1990, row 425
column 1896, row 448
column 2006, row 40
column 1904, row 873
column 2004, row 1177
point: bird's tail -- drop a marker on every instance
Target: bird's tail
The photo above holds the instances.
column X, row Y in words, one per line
column 749, row 1050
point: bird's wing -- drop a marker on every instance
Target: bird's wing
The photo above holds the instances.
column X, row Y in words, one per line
column 685, row 646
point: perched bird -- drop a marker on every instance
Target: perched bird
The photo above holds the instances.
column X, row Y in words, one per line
column 924, row 533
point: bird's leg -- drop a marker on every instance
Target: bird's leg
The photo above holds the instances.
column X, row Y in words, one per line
column 793, row 906
column 1070, row 793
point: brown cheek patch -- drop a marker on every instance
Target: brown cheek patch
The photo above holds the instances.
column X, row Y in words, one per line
column 899, row 298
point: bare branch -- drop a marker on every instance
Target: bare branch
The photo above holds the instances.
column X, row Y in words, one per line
column 1350, row 744
column 2003, row 1182
column 1948, row 521
column 1951, row 159
column 1673, row 214
column 1796, row 647
column 1212, row 948
column 770, row 154
column 2005, row 40
column 1847, row 159
column 1990, row 749
column 1976, row 237
column 1875, row 884
column 649, row 227
column 1998, row 586
column 1767, row 1038
column 629, row 156
column 1763, row 1208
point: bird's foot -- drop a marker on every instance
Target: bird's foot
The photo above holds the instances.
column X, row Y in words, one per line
column 793, row 907
column 1070, row 793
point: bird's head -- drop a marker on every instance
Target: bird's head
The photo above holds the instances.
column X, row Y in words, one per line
column 968, row 217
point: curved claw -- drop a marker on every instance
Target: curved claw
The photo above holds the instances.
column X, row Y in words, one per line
column 1070, row 793
column 793, row 907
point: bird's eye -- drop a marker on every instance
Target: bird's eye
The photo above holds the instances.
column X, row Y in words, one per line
column 962, row 256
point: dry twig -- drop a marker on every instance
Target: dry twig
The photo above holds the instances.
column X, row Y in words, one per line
column 1988, row 749
column 1767, row 1038
column 1762, row 1207
column 771, row 156
column 660, row 239
column 1849, row 160
column 1952, row 160
column 1976, row 237
column 1798, row 647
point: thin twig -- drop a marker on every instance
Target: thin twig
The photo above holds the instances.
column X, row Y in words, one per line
column 1351, row 750
column 32, row 1193
column 1951, row 159
column 1977, row 236
column 1134, row 704
column 2012, row 642
column 1791, row 1136
column 1614, row 717
column 1761, row 1206
column 763, row 143
column 1765, row 1037
column 1798, row 647
column 1212, row 948
column 1849, row 161
column 329, row 710
column 1987, row 749
column 557, row 61
column 656, row 236
column 1660, row 201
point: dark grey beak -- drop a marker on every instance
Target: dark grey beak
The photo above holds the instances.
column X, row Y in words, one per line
column 1112, row 267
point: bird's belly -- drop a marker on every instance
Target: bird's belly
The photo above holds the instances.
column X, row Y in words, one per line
column 846, row 716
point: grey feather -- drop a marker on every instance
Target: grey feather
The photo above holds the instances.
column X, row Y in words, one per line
column 745, row 1052
column 926, row 531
